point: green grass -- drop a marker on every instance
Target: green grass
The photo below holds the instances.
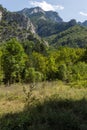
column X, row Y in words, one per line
column 49, row 106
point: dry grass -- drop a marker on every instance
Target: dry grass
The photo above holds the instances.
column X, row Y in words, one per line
column 12, row 99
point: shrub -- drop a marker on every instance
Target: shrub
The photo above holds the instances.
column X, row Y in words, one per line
column 33, row 76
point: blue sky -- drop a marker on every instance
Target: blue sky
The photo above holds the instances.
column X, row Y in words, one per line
column 67, row 9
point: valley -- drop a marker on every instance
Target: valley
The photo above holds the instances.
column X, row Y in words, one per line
column 43, row 71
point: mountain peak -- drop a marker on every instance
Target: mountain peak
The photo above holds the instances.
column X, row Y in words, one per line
column 40, row 13
column 32, row 11
column 37, row 10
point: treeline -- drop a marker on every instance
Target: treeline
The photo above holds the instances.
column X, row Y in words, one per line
column 27, row 62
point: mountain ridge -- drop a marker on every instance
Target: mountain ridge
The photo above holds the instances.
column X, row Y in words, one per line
column 51, row 15
column 36, row 24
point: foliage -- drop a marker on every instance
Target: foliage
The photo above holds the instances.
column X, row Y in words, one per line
column 79, row 71
column 13, row 61
column 26, row 62
column 33, row 76
column 1, row 70
column 84, row 57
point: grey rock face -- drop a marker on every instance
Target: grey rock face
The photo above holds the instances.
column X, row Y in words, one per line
column 51, row 15
column 0, row 15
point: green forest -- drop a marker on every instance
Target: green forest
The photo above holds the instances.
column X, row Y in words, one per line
column 23, row 62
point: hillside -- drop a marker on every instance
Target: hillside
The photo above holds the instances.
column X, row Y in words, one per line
column 15, row 25
column 36, row 24
column 75, row 36
column 46, row 22
column 50, row 26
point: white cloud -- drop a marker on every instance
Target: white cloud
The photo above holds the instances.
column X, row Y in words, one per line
column 46, row 6
column 83, row 14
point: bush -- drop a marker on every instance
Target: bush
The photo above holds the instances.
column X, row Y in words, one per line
column 79, row 71
column 33, row 76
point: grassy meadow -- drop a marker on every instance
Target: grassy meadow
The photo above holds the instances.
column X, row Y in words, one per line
column 43, row 106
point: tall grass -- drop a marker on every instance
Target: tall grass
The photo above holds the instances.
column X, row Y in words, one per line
column 43, row 106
